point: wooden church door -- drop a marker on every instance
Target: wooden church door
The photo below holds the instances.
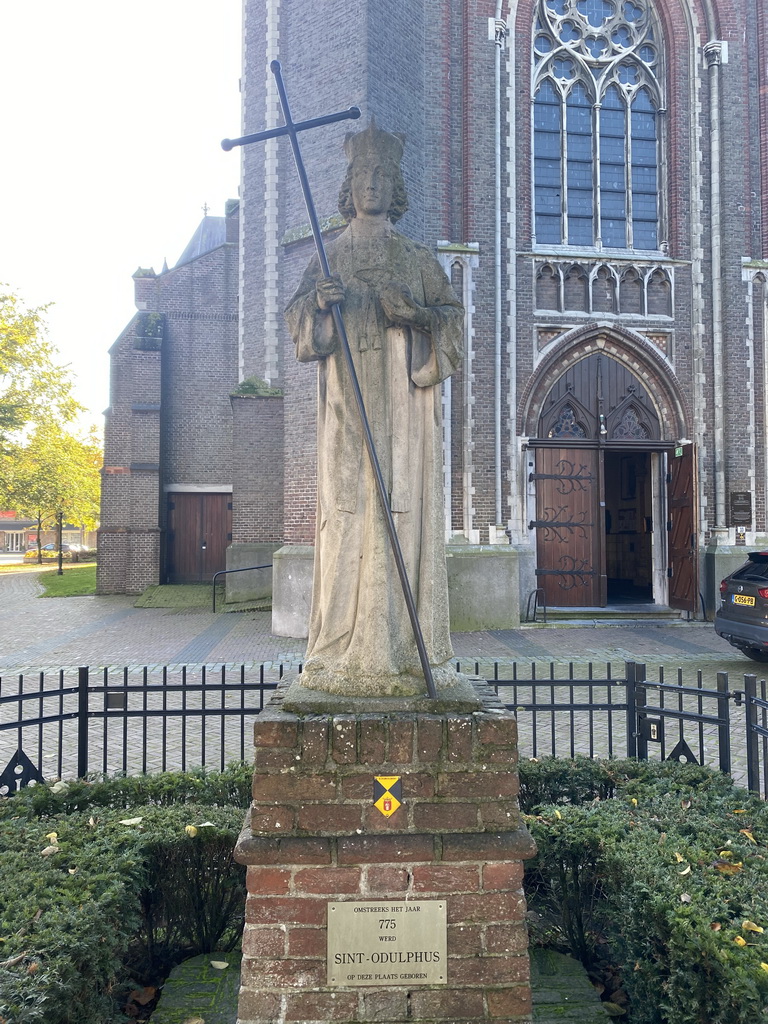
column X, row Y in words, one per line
column 567, row 534
column 593, row 529
column 199, row 530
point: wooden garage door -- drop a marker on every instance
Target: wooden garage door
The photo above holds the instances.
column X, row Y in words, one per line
column 566, row 524
column 199, row 531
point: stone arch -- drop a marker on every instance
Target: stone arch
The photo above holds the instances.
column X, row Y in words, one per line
column 631, row 293
column 576, row 288
column 603, row 290
column 548, row 287
column 659, row 293
column 627, row 348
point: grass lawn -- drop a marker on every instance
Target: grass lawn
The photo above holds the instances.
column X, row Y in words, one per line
column 76, row 581
column 195, row 597
column 176, row 595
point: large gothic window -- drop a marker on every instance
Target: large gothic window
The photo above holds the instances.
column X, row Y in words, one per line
column 596, row 140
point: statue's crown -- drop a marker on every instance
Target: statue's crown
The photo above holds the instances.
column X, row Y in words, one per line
column 374, row 141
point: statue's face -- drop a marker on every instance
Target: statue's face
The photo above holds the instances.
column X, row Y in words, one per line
column 372, row 189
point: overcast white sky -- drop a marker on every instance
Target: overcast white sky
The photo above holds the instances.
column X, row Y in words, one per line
column 111, row 114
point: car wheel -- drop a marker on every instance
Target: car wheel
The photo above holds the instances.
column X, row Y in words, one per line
column 754, row 654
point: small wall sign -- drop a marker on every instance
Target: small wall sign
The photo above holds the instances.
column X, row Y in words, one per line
column 741, row 508
column 387, row 793
column 387, row 943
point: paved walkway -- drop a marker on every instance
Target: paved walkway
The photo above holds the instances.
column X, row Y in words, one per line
column 46, row 635
column 52, row 633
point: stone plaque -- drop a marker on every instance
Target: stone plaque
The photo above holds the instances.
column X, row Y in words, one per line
column 741, row 508
column 385, row 943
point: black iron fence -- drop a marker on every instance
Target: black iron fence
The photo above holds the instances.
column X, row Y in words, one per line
column 70, row 724
column 755, row 699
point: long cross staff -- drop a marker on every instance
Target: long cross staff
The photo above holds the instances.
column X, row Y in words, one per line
column 292, row 128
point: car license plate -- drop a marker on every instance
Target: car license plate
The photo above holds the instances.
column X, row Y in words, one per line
column 742, row 599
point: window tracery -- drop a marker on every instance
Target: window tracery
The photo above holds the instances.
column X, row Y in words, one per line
column 566, row 425
column 597, row 100
column 605, row 287
column 630, row 427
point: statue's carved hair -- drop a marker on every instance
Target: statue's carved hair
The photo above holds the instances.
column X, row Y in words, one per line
column 399, row 202
column 375, row 144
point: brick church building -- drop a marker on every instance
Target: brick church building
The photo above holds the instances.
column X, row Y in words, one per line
column 593, row 176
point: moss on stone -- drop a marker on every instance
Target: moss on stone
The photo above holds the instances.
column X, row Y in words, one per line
column 258, row 387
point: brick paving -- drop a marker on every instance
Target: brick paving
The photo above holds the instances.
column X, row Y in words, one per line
column 49, row 634
column 108, row 631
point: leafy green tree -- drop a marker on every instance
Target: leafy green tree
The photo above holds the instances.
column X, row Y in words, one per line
column 33, row 387
column 53, row 471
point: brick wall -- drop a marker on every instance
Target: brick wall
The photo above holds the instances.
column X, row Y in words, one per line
column 428, row 68
column 257, row 498
column 169, row 422
column 316, row 837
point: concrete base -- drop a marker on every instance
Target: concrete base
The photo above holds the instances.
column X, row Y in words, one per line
column 526, row 560
column 461, row 698
column 483, row 588
column 249, row 586
column 292, row 568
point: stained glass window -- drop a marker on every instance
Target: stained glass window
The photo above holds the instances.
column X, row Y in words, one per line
column 597, row 97
column 630, row 428
column 567, row 425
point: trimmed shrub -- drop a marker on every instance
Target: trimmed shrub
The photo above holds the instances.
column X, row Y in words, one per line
column 668, row 878
column 100, row 890
column 231, row 787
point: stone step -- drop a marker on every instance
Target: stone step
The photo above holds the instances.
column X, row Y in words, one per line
column 613, row 615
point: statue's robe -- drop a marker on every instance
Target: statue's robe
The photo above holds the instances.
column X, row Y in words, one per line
column 360, row 637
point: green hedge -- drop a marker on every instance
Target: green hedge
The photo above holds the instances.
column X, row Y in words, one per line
column 662, row 868
column 107, row 884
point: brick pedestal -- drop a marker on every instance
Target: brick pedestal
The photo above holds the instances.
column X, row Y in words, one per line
column 314, row 836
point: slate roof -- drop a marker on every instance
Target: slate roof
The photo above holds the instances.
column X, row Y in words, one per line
column 210, row 234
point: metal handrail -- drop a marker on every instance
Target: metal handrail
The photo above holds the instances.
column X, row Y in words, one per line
column 225, row 572
column 535, row 595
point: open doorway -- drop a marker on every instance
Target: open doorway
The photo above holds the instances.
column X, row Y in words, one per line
column 628, row 514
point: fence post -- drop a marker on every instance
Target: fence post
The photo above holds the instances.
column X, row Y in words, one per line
column 630, row 673
column 750, row 714
column 82, row 721
column 724, row 727
column 641, row 700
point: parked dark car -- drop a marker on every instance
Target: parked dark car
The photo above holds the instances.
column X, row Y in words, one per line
column 742, row 618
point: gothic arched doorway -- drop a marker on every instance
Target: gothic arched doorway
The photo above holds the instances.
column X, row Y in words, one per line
column 614, row 492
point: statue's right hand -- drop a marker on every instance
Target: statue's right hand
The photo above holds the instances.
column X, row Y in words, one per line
column 329, row 291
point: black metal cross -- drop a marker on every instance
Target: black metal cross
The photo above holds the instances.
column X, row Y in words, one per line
column 292, row 128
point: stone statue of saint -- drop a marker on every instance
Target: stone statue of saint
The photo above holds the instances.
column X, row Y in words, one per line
column 405, row 328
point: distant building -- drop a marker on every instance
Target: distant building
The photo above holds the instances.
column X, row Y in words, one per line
column 593, row 174
column 16, row 534
column 19, row 534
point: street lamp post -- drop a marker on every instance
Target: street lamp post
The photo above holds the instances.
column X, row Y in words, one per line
column 59, row 527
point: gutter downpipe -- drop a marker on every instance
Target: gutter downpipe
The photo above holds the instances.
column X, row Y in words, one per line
column 500, row 34
column 713, row 55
